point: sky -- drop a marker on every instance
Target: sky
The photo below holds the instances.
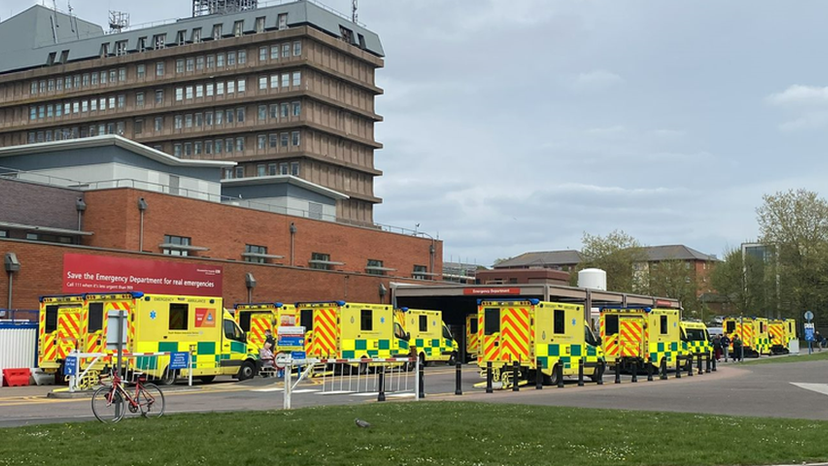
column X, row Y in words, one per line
column 515, row 126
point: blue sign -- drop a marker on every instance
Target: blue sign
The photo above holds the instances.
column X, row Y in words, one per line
column 809, row 332
column 179, row 360
column 297, row 354
column 291, row 340
column 70, row 366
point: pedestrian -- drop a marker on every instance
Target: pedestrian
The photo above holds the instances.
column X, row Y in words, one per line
column 725, row 346
column 717, row 347
column 737, row 348
column 820, row 340
column 269, row 338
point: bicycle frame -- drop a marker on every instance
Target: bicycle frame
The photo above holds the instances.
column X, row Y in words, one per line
column 118, row 386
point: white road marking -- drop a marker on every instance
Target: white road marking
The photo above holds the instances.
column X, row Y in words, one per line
column 366, row 394
column 268, row 390
column 336, row 392
column 814, row 387
column 304, row 390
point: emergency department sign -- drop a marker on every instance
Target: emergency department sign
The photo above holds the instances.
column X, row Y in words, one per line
column 809, row 332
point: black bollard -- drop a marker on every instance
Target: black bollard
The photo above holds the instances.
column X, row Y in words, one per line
column 617, row 370
column 422, row 380
column 458, row 389
column 381, row 377
column 489, row 377
column 663, row 369
column 515, row 374
column 599, row 371
column 714, row 364
column 699, row 359
column 707, row 359
column 690, row 366
column 649, row 370
column 678, row 367
column 635, row 372
column 559, row 370
column 581, row 372
column 538, row 375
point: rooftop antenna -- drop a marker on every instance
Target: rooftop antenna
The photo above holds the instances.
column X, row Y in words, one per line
column 53, row 20
column 118, row 21
column 72, row 20
column 354, row 6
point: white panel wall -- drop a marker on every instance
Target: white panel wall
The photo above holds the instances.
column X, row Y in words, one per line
column 17, row 348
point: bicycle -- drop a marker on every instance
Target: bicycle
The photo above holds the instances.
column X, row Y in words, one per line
column 108, row 402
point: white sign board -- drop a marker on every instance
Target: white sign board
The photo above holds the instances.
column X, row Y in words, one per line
column 112, row 329
column 291, row 331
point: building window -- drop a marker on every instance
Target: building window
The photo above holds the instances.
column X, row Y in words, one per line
column 104, row 50
column 188, row 150
column 262, row 83
column 294, row 136
column 273, row 142
column 261, row 142
column 420, row 272
column 240, row 115
column 297, row 108
column 142, row 44
column 180, row 38
column 274, row 111
column 159, row 97
column 286, row 50
column 196, row 35
column 294, row 168
column 242, row 86
column 254, row 253
column 220, row 60
column 260, row 24
column 179, row 65
column 239, row 144
column 274, row 81
column 138, row 126
column 284, row 139
column 239, row 172
column 231, row 58
column 262, row 113
column 262, row 54
column 159, row 124
column 283, row 169
column 199, row 63
column 159, row 41
column 231, row 87
column 4, row 234
column 190, row 64
column 297, row 78
column 320, row 261
column 177, row 124
column 189, row 92
column 177, row 153
column 140, row 71
column 297, row 48
column 271, row 169
column 242, row 57
column 217, row 32
column 374, row 267
column 199, row 91
column 188, row 120
column 179, row 94
column 173, row 245
column 282, row 21
column 261, row 169
column 285, row 109
column 121, row 100
column 238, row 28
column 159, row 69
column 274, row 52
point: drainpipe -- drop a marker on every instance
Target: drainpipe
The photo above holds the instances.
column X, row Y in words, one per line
column 142, row 206
column 80, row 206
column 292, row 238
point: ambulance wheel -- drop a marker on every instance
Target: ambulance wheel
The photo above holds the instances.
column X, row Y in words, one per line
column 551, row 379
column 599, row 372
column 452, row 359
column 207, row 378
column 247, row 371
column 168, row 378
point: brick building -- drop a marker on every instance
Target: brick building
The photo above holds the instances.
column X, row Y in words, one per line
column 282, row 90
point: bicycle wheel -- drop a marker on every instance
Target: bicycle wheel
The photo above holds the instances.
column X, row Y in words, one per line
column 108, row 405
column 151, row 400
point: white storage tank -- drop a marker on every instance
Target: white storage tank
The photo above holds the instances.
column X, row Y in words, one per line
column 595, row 279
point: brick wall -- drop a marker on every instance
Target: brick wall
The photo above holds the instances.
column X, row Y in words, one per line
column 36, row 204
column 114, row 218
column 42, row 268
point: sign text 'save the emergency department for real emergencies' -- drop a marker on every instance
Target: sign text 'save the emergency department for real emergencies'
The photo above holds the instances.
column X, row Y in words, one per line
column 89, row 273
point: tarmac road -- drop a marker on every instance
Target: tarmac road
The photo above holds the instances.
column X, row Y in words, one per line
column 763, row 390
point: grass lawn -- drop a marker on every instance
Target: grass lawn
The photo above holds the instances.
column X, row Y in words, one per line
column 803, row 357
column 409, row 433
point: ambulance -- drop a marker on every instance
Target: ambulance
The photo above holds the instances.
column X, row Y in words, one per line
column 429, row 335
column 256, row 318
column 342, row 330
column 753, row 331
column 540, row 336
column 695, row 339
column 636, row 336
column 158, row 324
column 472, row 343
column 781, row 332
column 59, row 332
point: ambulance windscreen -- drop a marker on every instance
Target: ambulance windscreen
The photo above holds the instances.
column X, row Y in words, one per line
column 306, row 319
column 491, row 324
column 51, row 318
column 244, row 321
column 95, row 316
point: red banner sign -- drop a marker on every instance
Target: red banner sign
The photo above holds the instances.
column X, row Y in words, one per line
column 491, row 291
column 84, row 273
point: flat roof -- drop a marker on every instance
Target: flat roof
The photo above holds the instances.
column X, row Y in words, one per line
column 111, row 140
column 282, row 179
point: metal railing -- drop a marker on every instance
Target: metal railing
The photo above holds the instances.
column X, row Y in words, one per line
column 19, row 315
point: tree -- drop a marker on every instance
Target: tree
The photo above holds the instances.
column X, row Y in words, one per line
column 675, row 279
column 796, row 224
column 617, row 254
column 743, row 284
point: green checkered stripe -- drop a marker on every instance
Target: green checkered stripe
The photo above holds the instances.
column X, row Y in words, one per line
column 433, row 346
column 696, row 347
column 762, row 345
column 382, row 350
column 206, row 355
column 550, row 354
column 662, row 350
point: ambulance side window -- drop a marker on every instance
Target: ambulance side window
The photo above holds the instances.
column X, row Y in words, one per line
column 244, row 320
column 731, row 327
column 231, row 332
column 95, row 316
column 611, row 325
column 179, row 317
column 663, row 325
column 423, row 323
column 306, row 319
column 399, row 332
column 473, row 325
column 559, row 322
column 366, row 320
column 590, row 337
column 447, row 333
column 51, row 318
column 491, row 324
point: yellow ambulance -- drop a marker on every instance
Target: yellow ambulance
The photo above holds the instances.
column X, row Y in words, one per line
column 636, row 336
column 472, row 342
column 256, row 318
column 695, row 340
column 162, row 324
column 342, row 330
column 753, row 331
column 429, row 335
column 60, row 332
column 538, row 335
column 781, row 332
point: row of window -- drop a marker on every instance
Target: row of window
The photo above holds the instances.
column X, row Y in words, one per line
column 59, row 109
column 230, row 145
column 78, row 81
column 271, row 169
column 76, row 132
